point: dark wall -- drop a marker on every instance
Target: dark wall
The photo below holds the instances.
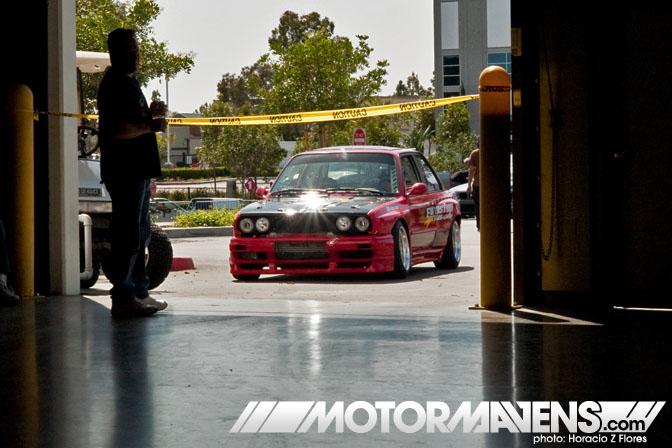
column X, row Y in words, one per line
column 609, row 79
column 24, row 37
column 639, row 219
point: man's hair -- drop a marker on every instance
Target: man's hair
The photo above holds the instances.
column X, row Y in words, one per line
column 118, row 38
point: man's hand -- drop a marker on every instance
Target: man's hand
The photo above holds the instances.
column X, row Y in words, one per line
column 469, row 188
column 158, row 109
column 158, row 125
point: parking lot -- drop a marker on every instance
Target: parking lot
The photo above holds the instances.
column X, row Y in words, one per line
column 185, row 376
column 211, row 289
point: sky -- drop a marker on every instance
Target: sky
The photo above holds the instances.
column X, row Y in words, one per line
column 228, row 35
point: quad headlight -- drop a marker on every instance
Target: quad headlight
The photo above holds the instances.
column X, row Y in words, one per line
column 262, row 225
column 249, row 225
column 343, row 223
column 362, row 224
column 246, row 225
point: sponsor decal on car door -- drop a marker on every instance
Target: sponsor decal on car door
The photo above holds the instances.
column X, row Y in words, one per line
column 421, row 225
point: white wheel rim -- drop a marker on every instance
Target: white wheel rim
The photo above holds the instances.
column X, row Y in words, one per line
column 457, row 241
column 404, row 249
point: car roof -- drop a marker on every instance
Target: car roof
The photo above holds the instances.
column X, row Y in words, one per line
column 359, row 148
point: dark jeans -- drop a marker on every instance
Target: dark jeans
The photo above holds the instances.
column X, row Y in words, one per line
column 4, row 257
column 476, row 194
column 130, row 235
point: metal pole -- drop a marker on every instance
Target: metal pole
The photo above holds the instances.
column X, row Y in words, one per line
column 22, row 215
column 494, row 91
column 167, row 129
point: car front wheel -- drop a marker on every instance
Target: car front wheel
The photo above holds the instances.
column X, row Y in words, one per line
column 402, row 250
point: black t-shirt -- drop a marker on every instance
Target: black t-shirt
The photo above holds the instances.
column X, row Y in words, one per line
column 120, row 100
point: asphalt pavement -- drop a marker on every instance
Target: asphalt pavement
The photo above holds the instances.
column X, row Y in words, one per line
column 210, row 287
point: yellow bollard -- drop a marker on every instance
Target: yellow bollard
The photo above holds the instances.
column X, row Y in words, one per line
column 494, row 101
column 22, row 206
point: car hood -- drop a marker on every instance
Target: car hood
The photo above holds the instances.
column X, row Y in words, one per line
column 459, row 188
column 310, row 203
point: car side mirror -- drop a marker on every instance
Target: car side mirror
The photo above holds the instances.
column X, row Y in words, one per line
column 262, row 192
column 417, row 189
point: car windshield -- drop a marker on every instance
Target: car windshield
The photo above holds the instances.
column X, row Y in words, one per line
column 361, row 173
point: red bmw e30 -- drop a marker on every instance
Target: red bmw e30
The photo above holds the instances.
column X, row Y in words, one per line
column 348, row 210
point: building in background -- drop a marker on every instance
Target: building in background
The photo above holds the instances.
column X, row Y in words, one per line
column 469, row 35
column 185, row 141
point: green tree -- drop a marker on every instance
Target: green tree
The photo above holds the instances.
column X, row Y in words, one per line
column 96, row 18
column 416, row 139
column 412, row 87
column 293, row 29
column 247, row 151
column 162, row 142
column 380, row 131
column 454, row 139
column 237, row 90
column 423, row 120
column 319, row 71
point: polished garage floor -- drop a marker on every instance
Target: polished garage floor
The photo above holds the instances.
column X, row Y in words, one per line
column 71, row 376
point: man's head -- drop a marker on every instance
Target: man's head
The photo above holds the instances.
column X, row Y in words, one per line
column 124, row 51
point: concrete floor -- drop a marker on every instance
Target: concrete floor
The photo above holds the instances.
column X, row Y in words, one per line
column 70, row 376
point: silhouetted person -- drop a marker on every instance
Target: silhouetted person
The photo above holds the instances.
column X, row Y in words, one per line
column 129, row 159
column 7, row 296
column 473, row 184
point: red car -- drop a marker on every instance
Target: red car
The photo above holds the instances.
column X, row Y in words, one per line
column 348, row 210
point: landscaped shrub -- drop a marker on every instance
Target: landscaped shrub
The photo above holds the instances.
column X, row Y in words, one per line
column 192, row 173
column 206, row 218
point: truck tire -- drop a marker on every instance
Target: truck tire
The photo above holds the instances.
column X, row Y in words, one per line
column 159, row 257
column 158, row 260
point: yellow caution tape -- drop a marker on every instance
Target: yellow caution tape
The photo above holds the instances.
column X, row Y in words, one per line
column 320, row 116
column 302, row 117
column 37, row 113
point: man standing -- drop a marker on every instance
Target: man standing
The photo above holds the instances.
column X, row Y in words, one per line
column 129, row 159
column 473, row 187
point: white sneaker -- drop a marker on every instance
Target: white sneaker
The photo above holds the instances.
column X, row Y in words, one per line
column 158, row 304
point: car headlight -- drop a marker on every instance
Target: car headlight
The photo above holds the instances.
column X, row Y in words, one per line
column 362, row 224
column 262, row 225
column 343, row 223
column 246, row 225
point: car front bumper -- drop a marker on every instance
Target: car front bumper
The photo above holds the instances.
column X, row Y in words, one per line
column 310, row 254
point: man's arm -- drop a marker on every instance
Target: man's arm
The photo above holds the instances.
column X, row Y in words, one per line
column 125, row 131
column 470, row 178
column 124, row 119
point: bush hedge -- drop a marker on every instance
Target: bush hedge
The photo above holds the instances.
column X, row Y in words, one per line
column 206, row 218
column 192, row 173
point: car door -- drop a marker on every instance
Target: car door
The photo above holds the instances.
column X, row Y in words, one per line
column 436, row 226
column 421, row 232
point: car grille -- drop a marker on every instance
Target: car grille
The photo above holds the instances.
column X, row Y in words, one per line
column 301, row 250
column 307, row 223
